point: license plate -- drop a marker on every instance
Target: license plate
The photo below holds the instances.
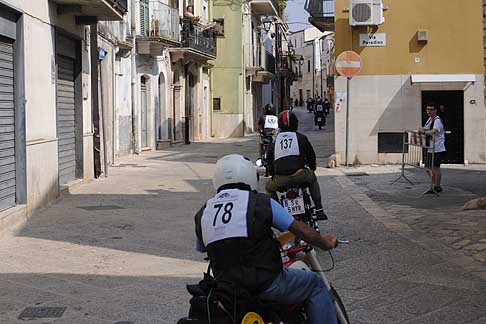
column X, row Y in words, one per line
column 294, row 206
column 319, row 119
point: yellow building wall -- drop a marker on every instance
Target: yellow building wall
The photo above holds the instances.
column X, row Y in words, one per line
column 455, row 42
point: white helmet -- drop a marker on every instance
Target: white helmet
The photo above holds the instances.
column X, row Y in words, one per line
column 235, row 168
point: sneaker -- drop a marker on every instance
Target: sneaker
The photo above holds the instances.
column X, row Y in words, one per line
column 320, row 215
column 438, row 189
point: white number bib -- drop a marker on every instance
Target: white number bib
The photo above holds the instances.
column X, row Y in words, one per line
column 225, row 216
column 286, row 144
column 271, row 122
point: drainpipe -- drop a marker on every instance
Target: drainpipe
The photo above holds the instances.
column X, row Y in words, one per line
column 133, row 74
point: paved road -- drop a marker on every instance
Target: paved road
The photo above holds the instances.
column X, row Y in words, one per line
column 121, row 248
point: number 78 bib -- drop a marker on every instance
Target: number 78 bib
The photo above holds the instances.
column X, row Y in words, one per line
column 286, row 144
column 225, row 216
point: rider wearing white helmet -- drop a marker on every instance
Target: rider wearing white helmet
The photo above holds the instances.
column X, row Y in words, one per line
column 235, row 229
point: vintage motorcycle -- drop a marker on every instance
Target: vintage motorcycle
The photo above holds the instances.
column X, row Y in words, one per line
column 296, row 254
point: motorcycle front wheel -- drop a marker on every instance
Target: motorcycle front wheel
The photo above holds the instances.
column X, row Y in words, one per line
column 342, row 315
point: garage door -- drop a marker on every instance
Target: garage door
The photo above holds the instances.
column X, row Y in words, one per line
column 7, row 126
column 66, row 132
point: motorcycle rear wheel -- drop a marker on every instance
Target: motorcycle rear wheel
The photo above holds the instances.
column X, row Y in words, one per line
column 338, row 303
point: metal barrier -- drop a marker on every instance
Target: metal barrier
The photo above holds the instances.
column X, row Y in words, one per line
column 418, row 152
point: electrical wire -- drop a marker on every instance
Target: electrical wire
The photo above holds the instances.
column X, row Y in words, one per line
column 329, row 269
column 207, row 305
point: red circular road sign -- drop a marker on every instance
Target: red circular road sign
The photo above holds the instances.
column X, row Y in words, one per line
column 348, row 64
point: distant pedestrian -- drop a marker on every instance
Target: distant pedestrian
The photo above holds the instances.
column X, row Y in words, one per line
column 434, row 129
column 327, row 106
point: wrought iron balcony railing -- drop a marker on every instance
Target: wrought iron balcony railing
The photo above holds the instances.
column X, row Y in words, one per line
column 198, row 37
column 159, row 20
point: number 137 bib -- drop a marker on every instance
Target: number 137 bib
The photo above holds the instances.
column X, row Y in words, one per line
column 225, row 216
column 286, row 144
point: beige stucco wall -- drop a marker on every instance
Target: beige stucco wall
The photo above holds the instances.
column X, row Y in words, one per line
column 227, row 125
column 391, row 103
column 455, row 42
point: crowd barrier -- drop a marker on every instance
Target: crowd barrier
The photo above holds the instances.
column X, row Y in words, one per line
column 417, row 152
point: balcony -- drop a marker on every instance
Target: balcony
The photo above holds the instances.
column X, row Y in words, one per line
column 267, row 72
column 197, row 42
column 321, row 14
column 265, row 7
column 98, row 9
column 159, row 27
column 285, row 67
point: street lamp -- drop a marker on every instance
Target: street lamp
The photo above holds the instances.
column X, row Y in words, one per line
column 301, row 61
column 267, row 23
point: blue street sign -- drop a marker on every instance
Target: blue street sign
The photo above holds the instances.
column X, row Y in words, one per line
column 101, row 53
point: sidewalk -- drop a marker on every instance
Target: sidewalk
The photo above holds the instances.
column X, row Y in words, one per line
column 122, row 248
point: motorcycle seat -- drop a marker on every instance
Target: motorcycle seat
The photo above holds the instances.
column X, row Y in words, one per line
column 285, row 188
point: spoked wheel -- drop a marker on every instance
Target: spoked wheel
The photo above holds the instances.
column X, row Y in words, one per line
column 342, row 315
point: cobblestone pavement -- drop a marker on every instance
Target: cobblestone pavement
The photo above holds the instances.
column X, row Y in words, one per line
column 440, row 217
column 121, row 248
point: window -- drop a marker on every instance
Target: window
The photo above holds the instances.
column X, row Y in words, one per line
column 308, row 66
column 216, row 104
column 390, row 142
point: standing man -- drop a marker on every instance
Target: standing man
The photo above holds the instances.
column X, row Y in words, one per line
column 434, row 128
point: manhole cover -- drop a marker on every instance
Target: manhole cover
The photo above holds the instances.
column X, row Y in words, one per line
column 356, row 174
column 101, row 207
column 42, row 312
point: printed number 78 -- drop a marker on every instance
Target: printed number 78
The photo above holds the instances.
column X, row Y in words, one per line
column 228, row 207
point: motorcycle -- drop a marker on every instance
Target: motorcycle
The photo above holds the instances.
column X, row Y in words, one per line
column 296, row 200
column 295, row 253
column 320, row 121
column 266, row 139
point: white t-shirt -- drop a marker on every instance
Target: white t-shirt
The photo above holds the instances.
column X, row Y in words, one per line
column 439, row 136
column 271, row 121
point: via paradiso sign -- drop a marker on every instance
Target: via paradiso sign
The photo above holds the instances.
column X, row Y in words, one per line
column 372, row 40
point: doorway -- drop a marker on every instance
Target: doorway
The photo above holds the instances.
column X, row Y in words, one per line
column 451, row 110
column 144, row 110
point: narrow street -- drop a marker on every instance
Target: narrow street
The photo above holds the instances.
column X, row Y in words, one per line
column 122, row 248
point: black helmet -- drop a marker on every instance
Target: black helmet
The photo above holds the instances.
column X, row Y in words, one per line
column 269, row 110
column 287, row 121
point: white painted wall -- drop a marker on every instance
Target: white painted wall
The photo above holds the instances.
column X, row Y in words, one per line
column 390, row 103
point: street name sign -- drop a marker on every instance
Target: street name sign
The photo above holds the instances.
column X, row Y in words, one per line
column 372, row 40
column 348, row 64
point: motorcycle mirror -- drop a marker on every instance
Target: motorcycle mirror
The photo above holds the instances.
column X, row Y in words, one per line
column 259, row 163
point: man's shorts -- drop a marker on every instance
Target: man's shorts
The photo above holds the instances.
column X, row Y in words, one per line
column 438, row 159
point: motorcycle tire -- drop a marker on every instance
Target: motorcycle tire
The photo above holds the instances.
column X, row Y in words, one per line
column 320, row 127
column 338, row 303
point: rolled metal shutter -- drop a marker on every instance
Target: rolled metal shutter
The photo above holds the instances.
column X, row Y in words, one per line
column 66, row 132
column 7, row 126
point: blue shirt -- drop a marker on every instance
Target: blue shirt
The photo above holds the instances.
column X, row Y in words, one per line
column 281, row 220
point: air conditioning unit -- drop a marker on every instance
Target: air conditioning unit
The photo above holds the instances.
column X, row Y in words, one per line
column 366, row 12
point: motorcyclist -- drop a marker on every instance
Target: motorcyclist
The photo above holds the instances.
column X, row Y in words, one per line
column 267, row 125
column 310, row 103
column 235, row 229
column 292, row 161
column 319, row 112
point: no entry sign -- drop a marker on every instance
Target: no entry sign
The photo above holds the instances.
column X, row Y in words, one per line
column 348, row 64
